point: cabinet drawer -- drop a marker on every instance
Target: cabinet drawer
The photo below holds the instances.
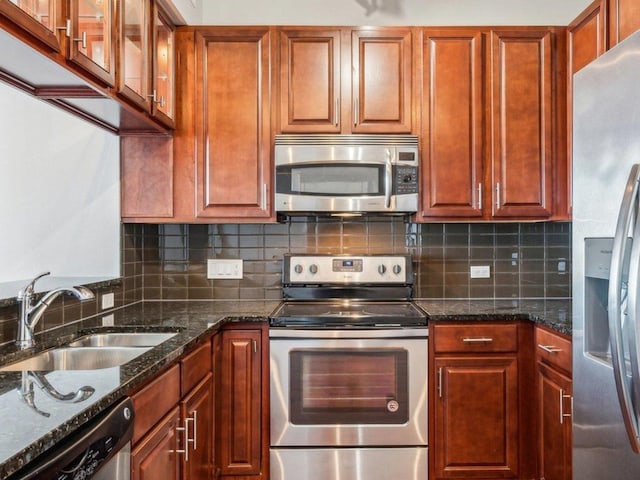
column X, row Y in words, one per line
column 195, row 366
column 154, row 401
column 476, row 338
column 553, row 349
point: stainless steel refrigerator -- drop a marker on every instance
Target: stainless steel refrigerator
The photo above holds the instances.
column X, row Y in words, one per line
column 606, row 259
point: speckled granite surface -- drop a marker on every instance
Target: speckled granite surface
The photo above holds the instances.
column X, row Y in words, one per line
column 555, row 314
column 30, row 434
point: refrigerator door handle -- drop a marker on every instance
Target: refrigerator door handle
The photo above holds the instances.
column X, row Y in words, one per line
column 626, row 220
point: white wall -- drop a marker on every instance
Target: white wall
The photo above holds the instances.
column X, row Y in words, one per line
column 385, row 12
column 59, row 192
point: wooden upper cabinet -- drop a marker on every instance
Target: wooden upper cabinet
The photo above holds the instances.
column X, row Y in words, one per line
column 310, row 80
column 134, row 49
column 91, row 39
column 521, row 123
column 452, row 118
column 335, row 80
column 624, row 19
column 232, row 123
column 163, row 85
column 39, row 18
column 381, row 80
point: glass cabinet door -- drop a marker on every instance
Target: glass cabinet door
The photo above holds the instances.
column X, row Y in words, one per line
column 38, row 17
column 164, row 69
column 91, row 42
column 134, row 52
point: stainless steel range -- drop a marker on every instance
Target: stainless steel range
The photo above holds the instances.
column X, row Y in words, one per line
column 348, row 371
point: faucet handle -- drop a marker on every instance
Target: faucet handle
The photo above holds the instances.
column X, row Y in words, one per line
column 27, row 291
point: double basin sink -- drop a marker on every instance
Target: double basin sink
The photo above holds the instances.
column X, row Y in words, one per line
column 92, row 352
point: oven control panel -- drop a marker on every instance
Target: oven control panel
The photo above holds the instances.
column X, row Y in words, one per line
column 387, row 269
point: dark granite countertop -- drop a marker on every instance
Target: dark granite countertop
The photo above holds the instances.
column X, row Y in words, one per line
column 193, row 320
column 552, row 313
column 34, row 433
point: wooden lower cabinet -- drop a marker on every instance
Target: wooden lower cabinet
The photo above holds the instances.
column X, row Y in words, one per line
column 242, row 403
column 555, row 402
column 476, row 417
column 196, row 411
column 554, row 395
column 155, row 456
column 173, row 433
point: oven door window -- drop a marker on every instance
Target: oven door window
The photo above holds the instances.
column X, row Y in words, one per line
column 367, row 386
column 338, row 179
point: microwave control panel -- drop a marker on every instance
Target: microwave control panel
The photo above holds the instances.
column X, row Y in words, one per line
column 406, row 180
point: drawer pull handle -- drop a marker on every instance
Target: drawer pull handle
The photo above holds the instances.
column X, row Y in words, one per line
column 549, row 348
column 478, row 340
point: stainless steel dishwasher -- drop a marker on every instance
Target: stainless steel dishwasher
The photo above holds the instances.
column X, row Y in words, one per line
column 99, row 450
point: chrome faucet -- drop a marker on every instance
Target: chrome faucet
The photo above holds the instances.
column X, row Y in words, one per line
column 28, row 395
column 30, row 314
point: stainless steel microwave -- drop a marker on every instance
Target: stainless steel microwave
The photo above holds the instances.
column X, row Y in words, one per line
column 346, row 174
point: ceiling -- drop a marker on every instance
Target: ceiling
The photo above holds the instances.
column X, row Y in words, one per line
column 380, row 12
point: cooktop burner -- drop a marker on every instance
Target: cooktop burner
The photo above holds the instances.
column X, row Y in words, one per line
column 364, row 314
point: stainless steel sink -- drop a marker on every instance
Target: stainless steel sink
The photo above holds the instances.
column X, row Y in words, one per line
column 123, row 339
column 77, row 358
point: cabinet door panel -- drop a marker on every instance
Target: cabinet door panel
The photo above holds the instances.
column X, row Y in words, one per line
column 238, row 431
column 233, row 123
column 163, row 93
column 197, row 410
column 452, row 117
column 554, row 394
column 382, row 81
column 624, row 19
column 134, row 48
column 476, row 417
column 91, row 45
column 155, row 456
column 37, row 17
column 310, row 81
column 521, row 123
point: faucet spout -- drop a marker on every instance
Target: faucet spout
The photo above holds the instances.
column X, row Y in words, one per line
column 30, row 314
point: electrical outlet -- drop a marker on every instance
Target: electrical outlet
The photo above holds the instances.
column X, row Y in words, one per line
column 562, row 266
column 107, row 320
column 107, row 301
column 480, row 271
column 224, row 269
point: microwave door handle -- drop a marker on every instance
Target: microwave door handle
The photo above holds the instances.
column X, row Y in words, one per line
column 388, row 177
column 625, row 216
column 631, row 325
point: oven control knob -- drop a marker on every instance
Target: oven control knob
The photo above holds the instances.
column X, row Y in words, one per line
column 397, row 269
column 382, row 269
column 393, row 406
column 313, row 268
column 298, row 269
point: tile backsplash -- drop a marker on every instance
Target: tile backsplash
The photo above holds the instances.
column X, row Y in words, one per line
column 169, row 262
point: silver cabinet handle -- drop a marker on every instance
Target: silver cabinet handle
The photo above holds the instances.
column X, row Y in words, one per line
column 562, row 414
column 498, row 195
column 255, row 347
column 264, row 197
column 355, row 112
column 154, row 99
column 549, row 348
column 185, row 432
column 477, row 340
column 440, row 382
column 82, row 40
column 336, row 113
column 194, row 419
column 479, row 196
column 66, row 28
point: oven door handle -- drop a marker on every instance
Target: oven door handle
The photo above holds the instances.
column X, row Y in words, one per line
column 388, row 177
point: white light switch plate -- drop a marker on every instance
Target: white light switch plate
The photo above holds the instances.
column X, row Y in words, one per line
column 480, row 271
column 228, row 269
